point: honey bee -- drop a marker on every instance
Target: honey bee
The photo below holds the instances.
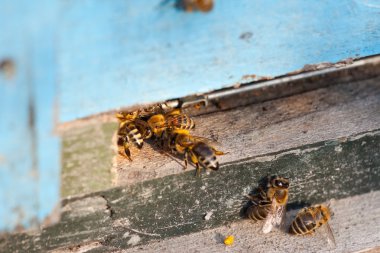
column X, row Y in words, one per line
column 196, row 149
column 143, row 113
column 131, row 130
column 277, row 193
column 270, row 205
column 127, row 116
column 311, row 218
column 172, row 120
column 260, row 206
column 133, row 127
column 195, row 5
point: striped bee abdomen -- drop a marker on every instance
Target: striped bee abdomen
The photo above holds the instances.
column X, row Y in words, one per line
column 206, row 156
column 311, row 218
column 135, row 136
column 303, row 224
column 180, row 121
column 132, row 134
column 258, row 210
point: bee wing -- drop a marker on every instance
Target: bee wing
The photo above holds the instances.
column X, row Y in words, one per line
column 328, row 233
column 275, row 217
column 279, row 216
column 269, row 221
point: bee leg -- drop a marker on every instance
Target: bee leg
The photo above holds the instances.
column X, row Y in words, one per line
column 127, row 151
column 186, row 159
column 194, row 159
column 123, row 147
column 174, row 112
column 217, row 152
column 198, row 168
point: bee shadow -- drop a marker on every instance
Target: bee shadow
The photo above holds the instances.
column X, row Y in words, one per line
column 156, row 146
column 297, row 205
column 246, row 202
column 219, row 238
column 291, row 212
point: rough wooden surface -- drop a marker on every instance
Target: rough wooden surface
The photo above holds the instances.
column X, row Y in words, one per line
column 356, row 226
column 175, row 205
column 329, row 113
column 87, row 159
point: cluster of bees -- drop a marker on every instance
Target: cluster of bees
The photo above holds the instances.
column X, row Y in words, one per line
column 269, row 204
column 170, row 129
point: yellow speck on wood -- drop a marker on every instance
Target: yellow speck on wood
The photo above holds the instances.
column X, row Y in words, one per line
column 229, row 240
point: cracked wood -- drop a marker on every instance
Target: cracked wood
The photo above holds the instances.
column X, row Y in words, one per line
column 176, row 205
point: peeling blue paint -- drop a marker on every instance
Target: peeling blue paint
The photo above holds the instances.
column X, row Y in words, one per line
column 29, row 167
column 119, row 53
column 77, row 58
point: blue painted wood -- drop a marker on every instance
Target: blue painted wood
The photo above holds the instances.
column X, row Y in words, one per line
column 29, row 152
column 119, row 53
column 106, row 54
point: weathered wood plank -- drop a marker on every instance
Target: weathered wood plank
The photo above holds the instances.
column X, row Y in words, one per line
column 270, row 127
column 329, row 113
column 86, row 159
column 355, row 225
column 175, row 205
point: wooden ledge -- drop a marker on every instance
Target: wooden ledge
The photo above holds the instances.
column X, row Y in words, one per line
column 175, row 205
column 339, row 111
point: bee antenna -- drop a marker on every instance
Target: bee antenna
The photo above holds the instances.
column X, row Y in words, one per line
column 329, row 203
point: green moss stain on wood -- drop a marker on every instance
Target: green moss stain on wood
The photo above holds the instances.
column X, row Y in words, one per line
column 176, row 205
column 90, row 165
column 87, row 159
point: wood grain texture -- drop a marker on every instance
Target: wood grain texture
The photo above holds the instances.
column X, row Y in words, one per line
column 369, row 250
column 245, row 132
column 86, row 159
column 175, row 205
column 269, row 127
column 356, row 225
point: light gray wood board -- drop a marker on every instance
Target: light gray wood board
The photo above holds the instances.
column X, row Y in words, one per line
column 356, row 227
column 175, row 205
column 355, row 224
column 310, row 77
column 328, row 113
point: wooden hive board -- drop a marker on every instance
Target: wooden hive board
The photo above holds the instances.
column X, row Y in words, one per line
column 338, row 111
column 327, row 141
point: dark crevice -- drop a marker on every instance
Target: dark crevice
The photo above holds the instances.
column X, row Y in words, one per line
column 108, row 206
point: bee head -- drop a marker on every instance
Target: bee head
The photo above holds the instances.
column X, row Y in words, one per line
column 325, row 212
column 157, row 123
column 279, row 182
column 127, row 116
